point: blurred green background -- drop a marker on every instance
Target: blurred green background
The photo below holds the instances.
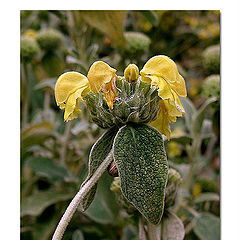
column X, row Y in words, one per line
column 54, row 154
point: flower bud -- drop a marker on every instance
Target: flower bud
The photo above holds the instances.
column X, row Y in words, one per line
column 211, row 86
column 115, row 186
column 49, row 39
column 131, row 73
column 211, row 59
column 174, row 179
column 28, row 49
column 174, row 176
column 137, row 41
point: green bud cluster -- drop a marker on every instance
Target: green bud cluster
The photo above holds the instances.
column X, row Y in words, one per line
column 174, row 179
column 211, row 86
column 49, row 39
column 28, row 49
column 136, row 102
column 211, row 59
column 137, row 41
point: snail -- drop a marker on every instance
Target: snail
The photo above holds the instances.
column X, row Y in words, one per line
column 112, row 169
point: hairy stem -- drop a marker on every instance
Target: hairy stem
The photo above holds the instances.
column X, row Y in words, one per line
column 142, row 235
column 67, row 216
column 152, row 231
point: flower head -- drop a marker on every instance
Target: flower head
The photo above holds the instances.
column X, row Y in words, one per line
column 72, row 87
column 153, row 97
column 162, row 72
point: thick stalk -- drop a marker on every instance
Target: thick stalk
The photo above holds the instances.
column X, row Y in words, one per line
column 67, row 216
column 152, row 231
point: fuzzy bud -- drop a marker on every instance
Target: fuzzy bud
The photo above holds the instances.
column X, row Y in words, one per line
column 131, row 73
column 28, row 49
column 174, row 179
column 211, row 59
column 49, row 39
column 211, row 86
column 137, row 41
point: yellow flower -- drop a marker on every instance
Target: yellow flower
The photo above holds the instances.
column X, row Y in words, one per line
column 102, row 78
column 162, row 72
column 72, row 87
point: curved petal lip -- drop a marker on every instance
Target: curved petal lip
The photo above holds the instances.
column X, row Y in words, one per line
column 67, row 84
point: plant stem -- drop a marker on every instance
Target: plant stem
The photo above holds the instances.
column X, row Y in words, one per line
column 67, row 216
column 46, row 103
column 142, row 235
column 152, row 231
column 26, row 99
column 65, row 138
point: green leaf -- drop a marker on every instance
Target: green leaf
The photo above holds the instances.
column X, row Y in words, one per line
column 207, row 130
column 204, row 197
column 104, row 208
column 98, row 153
column 198, row 117
column 142, row 165
column 109, row 22
column 48, row 83
column 172, row 227
column 207, row 227
column 44, row 230
column 36, row 134
column 151, row 16
column 184, row 139
column 77, row 235
column 48, row 168
column 190, row 110
column 35, row 204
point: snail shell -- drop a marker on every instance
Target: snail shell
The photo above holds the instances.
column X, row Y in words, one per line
column 112, row 169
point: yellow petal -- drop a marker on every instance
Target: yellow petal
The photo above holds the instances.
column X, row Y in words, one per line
column 109, row 93
column 72, row 105
column 164, row 89
column 161, row 123
column 100, row 73
column 102, row 77
column 179, row 87
column 67, row 84
column 161, row 66
column 174, row 108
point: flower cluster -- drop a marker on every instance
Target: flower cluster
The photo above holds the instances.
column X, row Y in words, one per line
column 160, row 73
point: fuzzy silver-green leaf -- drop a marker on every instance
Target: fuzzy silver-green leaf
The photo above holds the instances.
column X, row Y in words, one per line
column 142, row 165
column 98, row 153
